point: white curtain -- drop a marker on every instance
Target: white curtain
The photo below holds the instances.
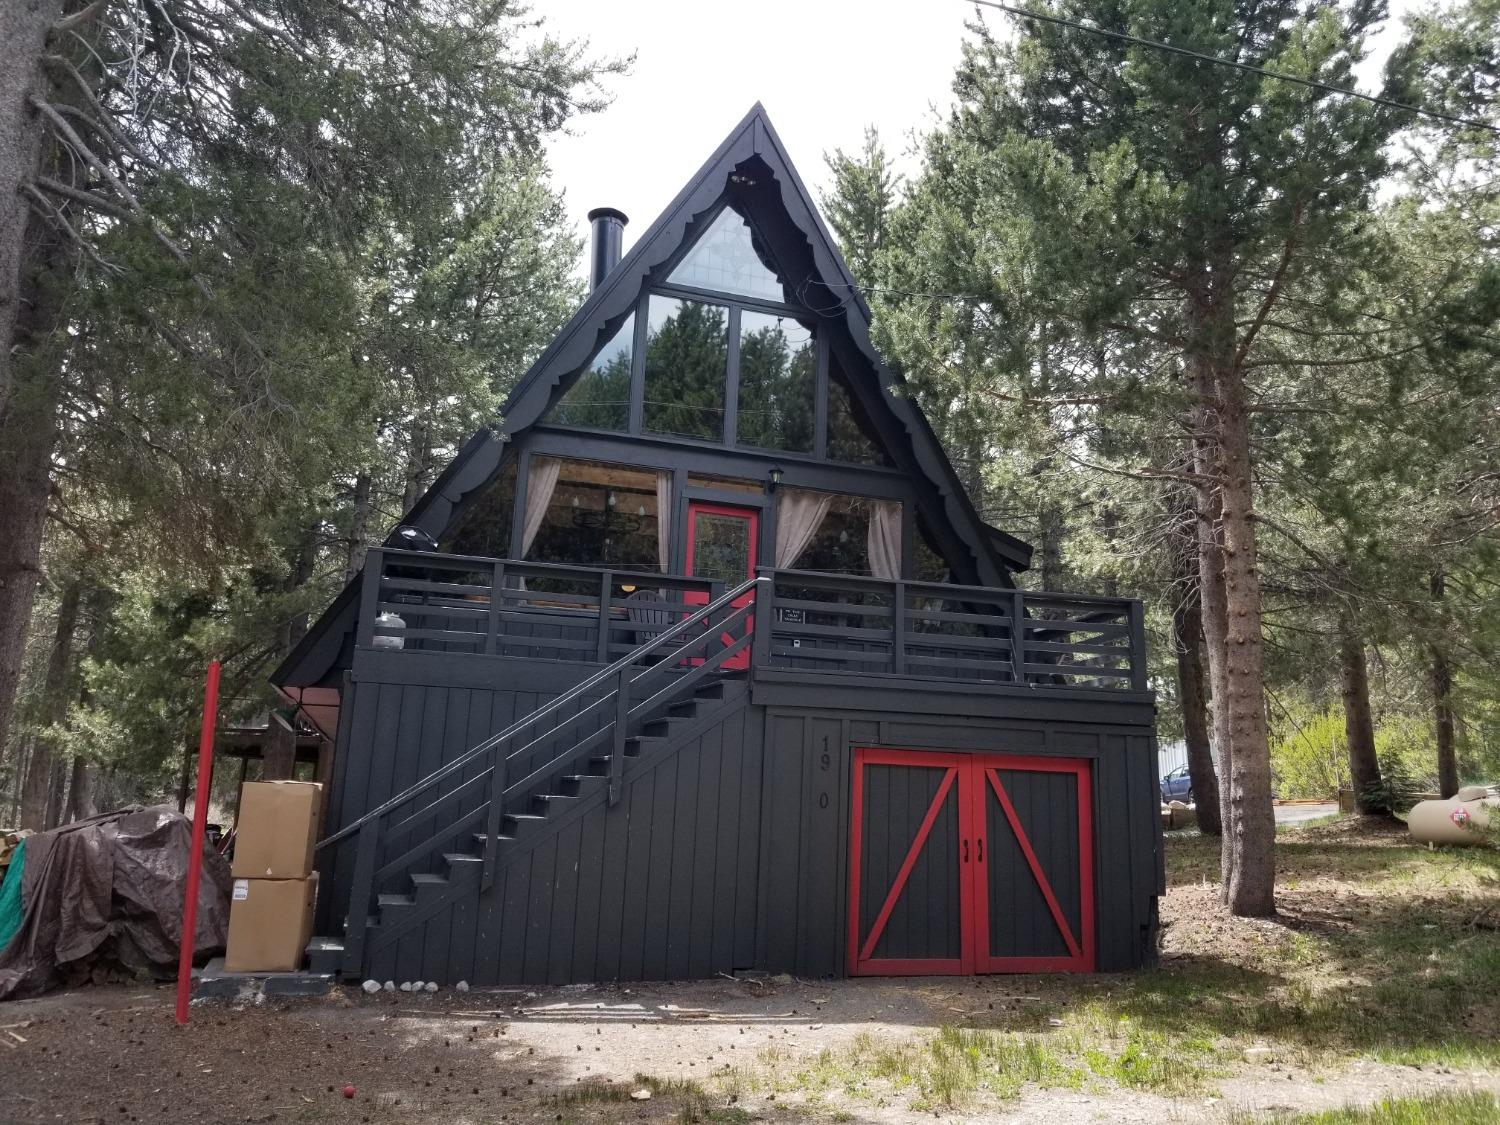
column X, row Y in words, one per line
column 664, row 520
column 798, row 516
column 541, row 480
column 884, row 539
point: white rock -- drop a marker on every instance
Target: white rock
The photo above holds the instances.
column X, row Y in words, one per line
column 641, row 1095
column 406, row 986
column 371, row 986
column 431, row 986
column 389, row 986
column 462, row 986
column 416, row 986
column 1260, row 1054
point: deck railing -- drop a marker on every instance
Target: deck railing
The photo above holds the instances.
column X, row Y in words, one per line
column 810, row 622
column 842, row 623
column 429, row 602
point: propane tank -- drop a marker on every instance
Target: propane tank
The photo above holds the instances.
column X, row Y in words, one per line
column 387, row 640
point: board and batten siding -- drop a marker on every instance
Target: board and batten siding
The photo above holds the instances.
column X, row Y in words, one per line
column 725, row 853
column 802, row 926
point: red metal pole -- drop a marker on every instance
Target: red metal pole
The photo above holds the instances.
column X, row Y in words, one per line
column 200, row 829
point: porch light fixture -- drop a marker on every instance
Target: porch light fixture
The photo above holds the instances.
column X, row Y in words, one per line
column 775, row 478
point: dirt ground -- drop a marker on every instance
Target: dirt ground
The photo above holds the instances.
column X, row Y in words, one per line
column 1167, row 1045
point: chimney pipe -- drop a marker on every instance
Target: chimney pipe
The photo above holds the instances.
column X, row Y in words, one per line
column 608, row 240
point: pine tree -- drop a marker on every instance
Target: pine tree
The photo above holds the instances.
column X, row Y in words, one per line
column 1131, row 226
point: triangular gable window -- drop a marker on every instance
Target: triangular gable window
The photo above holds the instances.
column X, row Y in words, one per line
column 726, row 259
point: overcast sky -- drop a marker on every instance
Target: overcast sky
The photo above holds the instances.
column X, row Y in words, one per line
column 824, row 69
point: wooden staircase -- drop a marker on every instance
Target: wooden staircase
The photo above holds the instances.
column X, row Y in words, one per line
column 667, row 690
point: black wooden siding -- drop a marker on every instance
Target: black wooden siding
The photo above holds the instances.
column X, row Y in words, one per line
column 1046, row 804
column 926, row 919
column 729, row 852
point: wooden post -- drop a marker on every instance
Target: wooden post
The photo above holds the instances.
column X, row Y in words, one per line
column 493, row 819
column 359, row 896
column 622, row 724
column 606, row 585
column 1018, row 637
column 1138, row 677
column 497, row 604
column 898, row 628
column 765, row 604
column 369, row 596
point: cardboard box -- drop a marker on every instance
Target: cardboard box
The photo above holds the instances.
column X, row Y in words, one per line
column 270, row 924
column 278, row 827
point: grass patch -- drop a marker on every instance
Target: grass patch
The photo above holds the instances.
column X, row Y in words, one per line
column 950, row 1068
column 1381, row 950
column 1435, row 1109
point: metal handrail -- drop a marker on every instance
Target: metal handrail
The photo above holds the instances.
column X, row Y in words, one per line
column 670, row 633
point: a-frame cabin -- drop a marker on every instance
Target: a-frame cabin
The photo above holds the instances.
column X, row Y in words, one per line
column 701, row 660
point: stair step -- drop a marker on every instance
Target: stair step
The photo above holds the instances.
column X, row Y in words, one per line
column 545, row 803
column 461, row 859
column 324, row 955
column 384, row 901
column 425, row 879
column 503, row 838
column 640, row 742
column 687, row 709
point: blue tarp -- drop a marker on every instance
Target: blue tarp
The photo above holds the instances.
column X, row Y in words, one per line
column 10, row 897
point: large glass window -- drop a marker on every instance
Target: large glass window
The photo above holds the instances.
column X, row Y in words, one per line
column 850, row 433
column 728, row 258
column 483, row 527
column 600, row 399
column 600, row 515
column 778, row 382
column 840, row 543
column 687, row 356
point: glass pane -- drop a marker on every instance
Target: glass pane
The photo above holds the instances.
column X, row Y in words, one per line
column 850, row 434
column 721, row 547
column 600, row 399
column 726, row 258
column 841, row 543
column 600, row 515
column 778, row 363
column 483, row 526
column 687, row 354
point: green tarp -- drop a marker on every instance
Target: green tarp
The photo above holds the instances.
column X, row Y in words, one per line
column 10, row 897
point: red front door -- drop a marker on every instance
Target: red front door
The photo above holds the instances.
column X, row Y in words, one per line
column 966, row 863
column 721, row 544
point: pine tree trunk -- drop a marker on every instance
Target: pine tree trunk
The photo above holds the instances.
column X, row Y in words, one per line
column 418, row 456
column 24, row 26
column 1187, row 636
column 1192, row 684
column 1359, row 725
column 81, row 791
column 1206, row 466
column 1251, row 891
column 28, row 434
column 1442, row 705
column 57, row 791
column 359, row 527
column 37, row 811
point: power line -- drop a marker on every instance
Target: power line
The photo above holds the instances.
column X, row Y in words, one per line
column 1122, row 37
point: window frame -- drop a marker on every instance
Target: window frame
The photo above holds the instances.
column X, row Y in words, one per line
column 735, row 304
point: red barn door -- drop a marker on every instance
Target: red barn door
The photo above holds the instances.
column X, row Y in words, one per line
column 966, row 863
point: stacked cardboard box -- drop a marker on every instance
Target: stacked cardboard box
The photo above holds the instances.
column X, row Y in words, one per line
column 270, row 915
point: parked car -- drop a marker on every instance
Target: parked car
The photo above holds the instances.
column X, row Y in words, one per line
column 1177, row 786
